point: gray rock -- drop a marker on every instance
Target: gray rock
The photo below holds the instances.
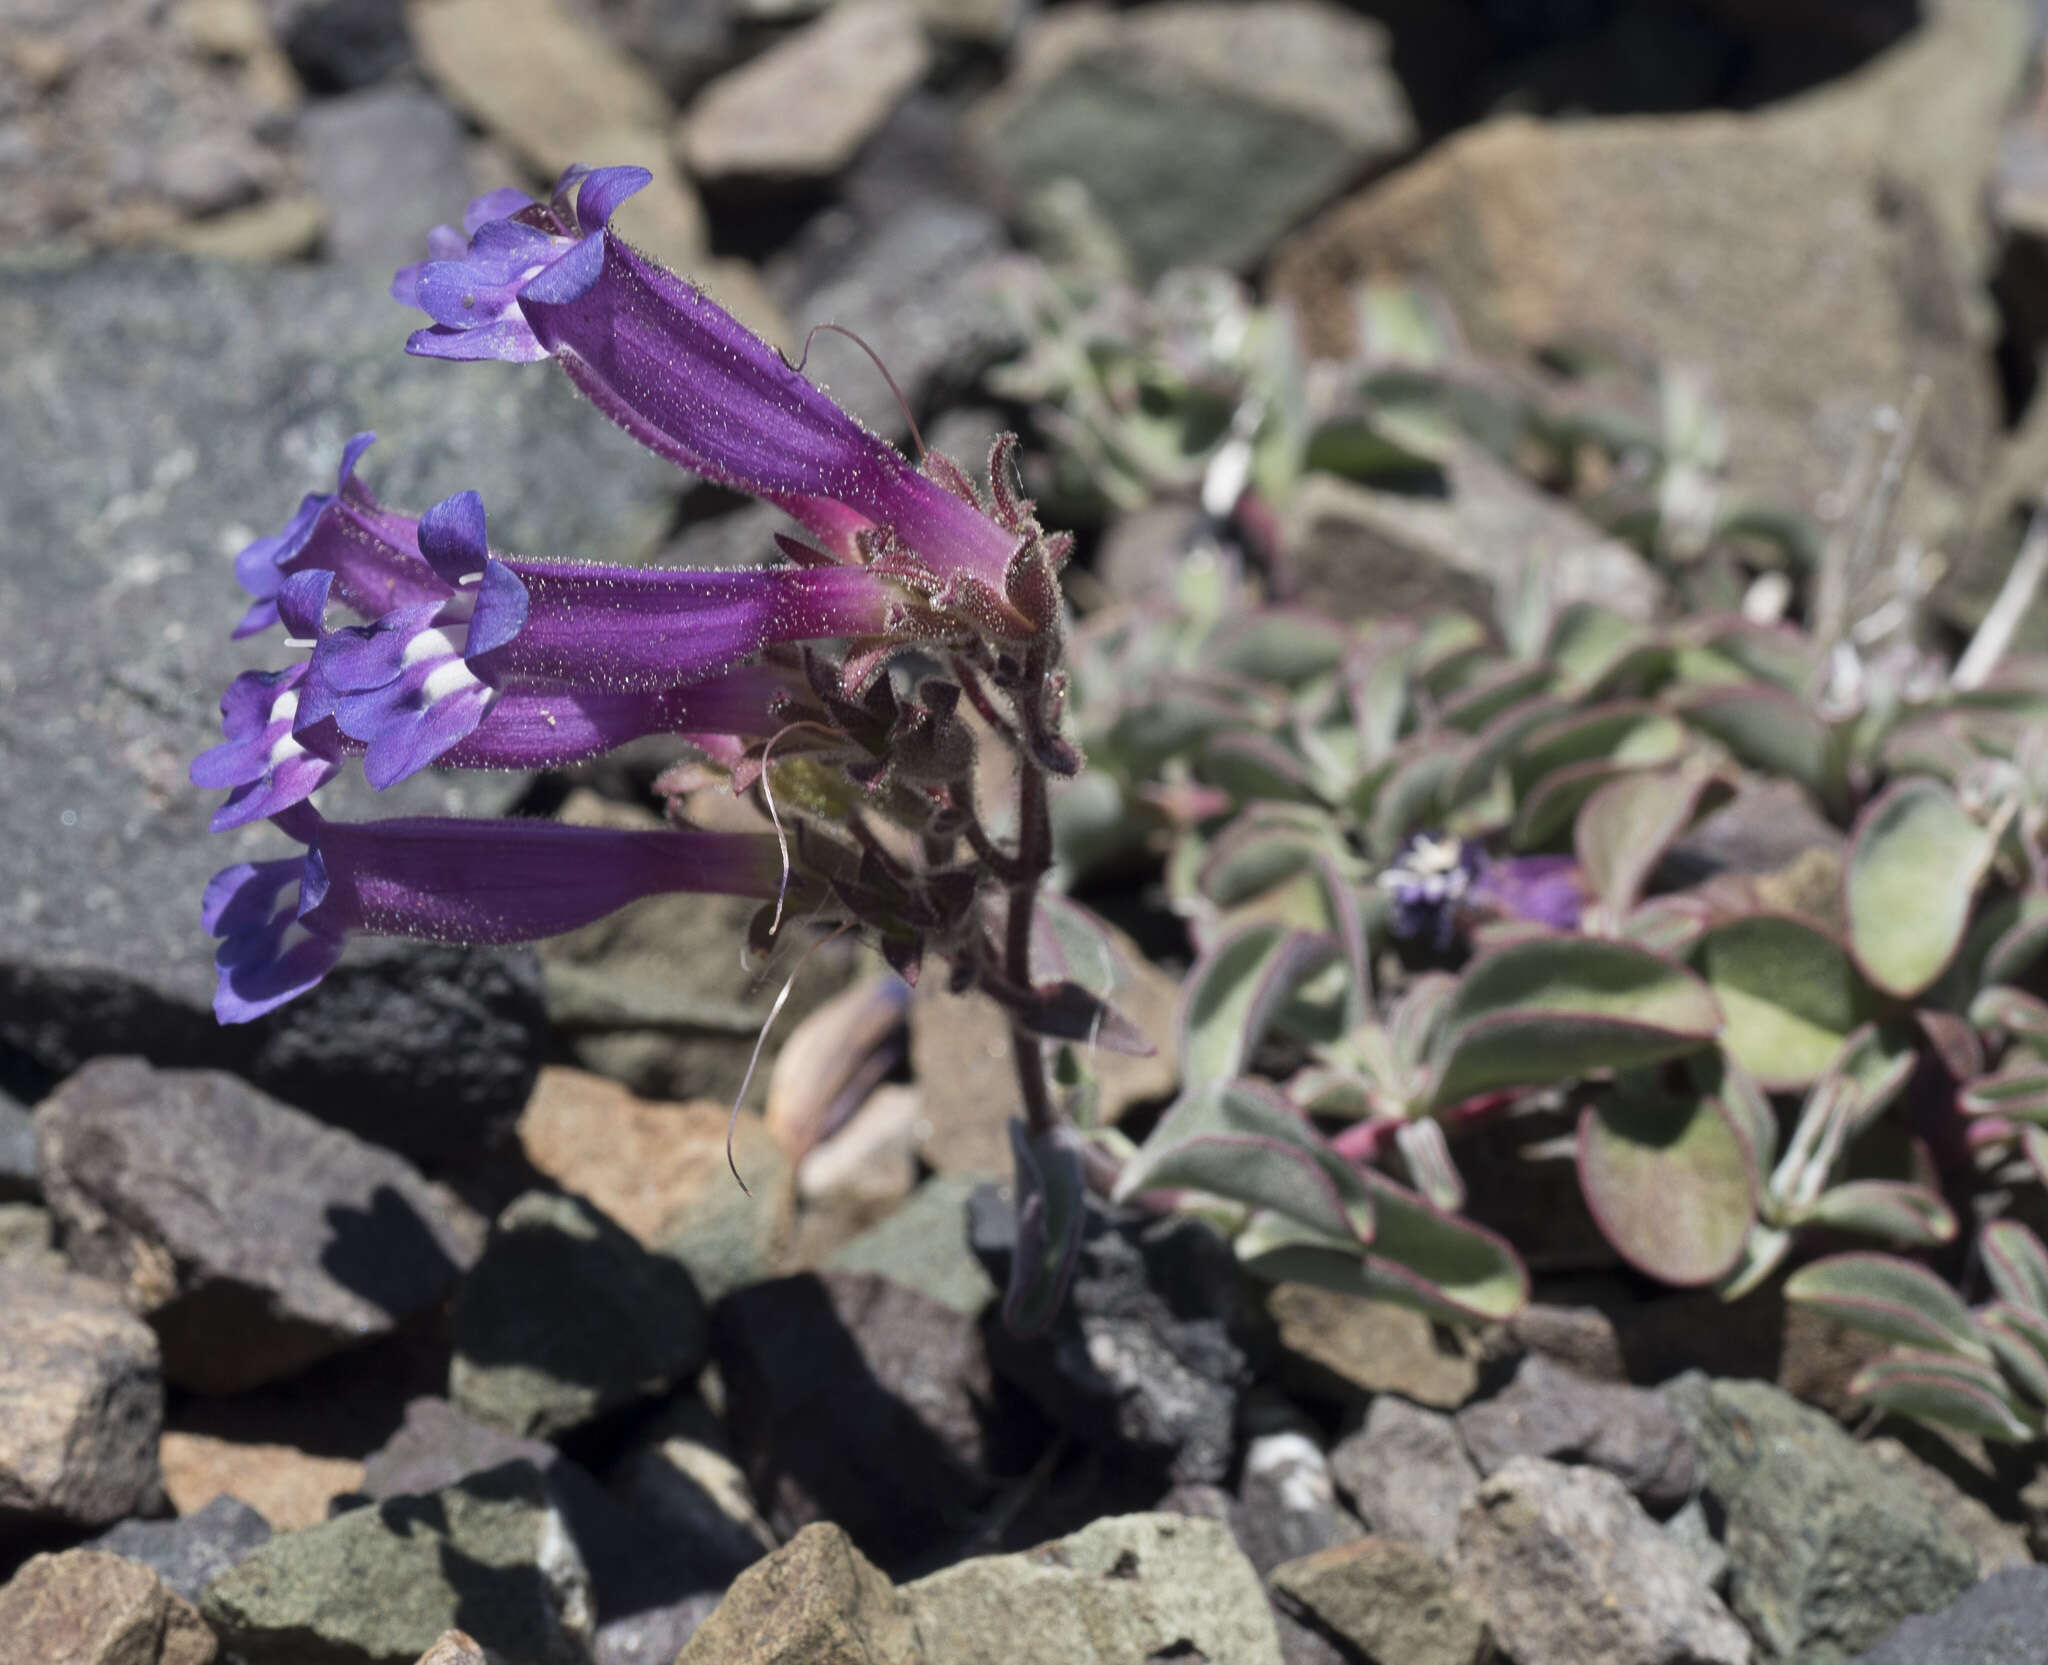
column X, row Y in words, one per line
column 28, row 1236
column 88, row 1608
column 1996, row 1543
column 923, row 1246
column 654, row 1635
column 1202, row 130
column 190, row 1552
column 339, row 45
column 1407, row 1473
column 802, row 109
column 1358, row 551
column 437, row 1445
column 854, row 1399
column 1693, row 1533
column 1391, row 1601
column 253, row 1238
column 390, row 163
column 18, row 1181
column 81, row 1404
column 1286, row 1505
column 919, row 288
column 1568, row 1570
column 1143, row 1360
column 680, row 1477
column 1127, row 1588
column 1829, row 1549
column 566, row 1317
column 818, row 1600
column 683, row 43
column 2001, row 1622
column 378, row 1586
column 185, row 408
column 1550, row 1411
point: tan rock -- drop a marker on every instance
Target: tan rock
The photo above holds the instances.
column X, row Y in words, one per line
column 85, row 1607
column 657, row 1169
column 455, row 1647
column 1780, row 257
column 290, row 1488
column 830, row 1052
column 815, row 1601
column 1348, row 1345
column 1391, row 1601
column 860, row 1175
column 81, row 1401
column 284, row 228
column 804, row 107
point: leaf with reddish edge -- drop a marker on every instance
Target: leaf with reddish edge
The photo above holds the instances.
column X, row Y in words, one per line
column 1234, row 990
column 1668, row 924
column 1287, row 645
column 1909, row 1215
column 1790, row 992
column 1051, row 1195
column 1486, row 699
column 2022, row 943
column 1890, row 1297
column 1915, row 861
column 2018, row 1090
column 1554, row 1009
column 1411, row 797
column 1422, row 1258
column 1625, row 827
column 1376, row 676
column 1772, row 653
column 2016, row 1263
column 1771, row 731
column 1587, row 641
column 1243, row 1142
column 1542, row 817
column 1632, row 732
column 2021, row 1015
column 1255, row 767
column 2034, row 1144
column 1935, row 1387
column 1491, row 746
column 1669, row 1182
column 2019, row 1337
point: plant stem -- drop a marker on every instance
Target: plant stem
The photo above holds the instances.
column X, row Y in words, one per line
column 1034, row 857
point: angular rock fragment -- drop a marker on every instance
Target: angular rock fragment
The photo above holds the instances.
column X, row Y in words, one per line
column 81, row 1404
column 86, row 1607
column 1392, row 1602
column 190, row 1552
column 253, row 1238
column 1407, row 1473
column 1550, row 1411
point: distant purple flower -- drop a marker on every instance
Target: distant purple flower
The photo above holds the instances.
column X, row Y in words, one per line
column 1436, row 881
column 692, row 384
column 282, row 924
column 422, row 678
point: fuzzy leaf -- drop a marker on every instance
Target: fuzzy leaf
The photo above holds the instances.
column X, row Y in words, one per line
column 1511, row 685
column 1542, row 818
column 1248, row 859
column 1670, row 1184
column 1762, row 1253
column 1621, row 732
column 2019, row 1090
column 1886, row 1296
column 1587, row 641
column 1493, row 744
column 1909, row 1215
column 1435, row 1263
column 1411, row 798
column 1557, row 1008
column 2022, row 944
column 2020, row 1339
column 1771, row 731
column 1376, row 677
column 1915, row 861
column 1254, row 767
column 2016, row 1263
column 1288, row 645
column 1240, row 1141
column 1791, row 994
column 1958, row 1393
column 1627, row 824
column 1233, row 991
column 1051, row 1205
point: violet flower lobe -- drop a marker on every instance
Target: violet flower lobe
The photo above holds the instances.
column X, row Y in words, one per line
column 282, row 924
column 694, row 385
column 1438, row 882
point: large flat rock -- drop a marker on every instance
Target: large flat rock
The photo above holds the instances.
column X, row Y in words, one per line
column 164, row 413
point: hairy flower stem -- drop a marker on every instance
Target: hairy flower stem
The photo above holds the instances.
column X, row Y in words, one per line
column 1034, row 858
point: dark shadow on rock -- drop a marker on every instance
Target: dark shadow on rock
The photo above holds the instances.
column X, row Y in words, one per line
column 386, row 1254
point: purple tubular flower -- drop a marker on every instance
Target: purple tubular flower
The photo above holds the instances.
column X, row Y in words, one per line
column 266, row 768
column 422, row 678
column 688, row 380
column 1436, row 880
column 373, row 553
column 282, row 924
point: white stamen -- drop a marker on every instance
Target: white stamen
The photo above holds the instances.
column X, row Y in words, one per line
column 434, row 644
column 451, row 678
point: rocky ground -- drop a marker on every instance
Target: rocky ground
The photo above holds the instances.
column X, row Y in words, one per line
column 429, row 1304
